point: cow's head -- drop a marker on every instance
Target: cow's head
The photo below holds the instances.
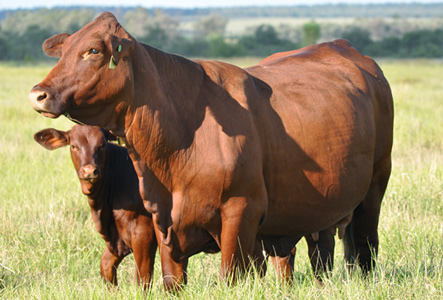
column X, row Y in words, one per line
column 88, row 150
column 92, row 81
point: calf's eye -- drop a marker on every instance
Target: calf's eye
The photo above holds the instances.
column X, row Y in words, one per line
column 93, row 51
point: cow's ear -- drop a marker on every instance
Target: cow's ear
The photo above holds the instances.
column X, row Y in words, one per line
column 121, row 48
column 109, row 136
column 53, row 45
column 51, row 138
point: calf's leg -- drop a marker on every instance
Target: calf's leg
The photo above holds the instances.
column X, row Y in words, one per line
column 284, row 265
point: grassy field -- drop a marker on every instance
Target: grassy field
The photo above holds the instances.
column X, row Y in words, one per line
column 49, row 248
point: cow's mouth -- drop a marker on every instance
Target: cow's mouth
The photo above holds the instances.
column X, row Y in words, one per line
column 49, row 114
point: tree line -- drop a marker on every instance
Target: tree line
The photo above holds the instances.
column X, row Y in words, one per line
column 23, row 32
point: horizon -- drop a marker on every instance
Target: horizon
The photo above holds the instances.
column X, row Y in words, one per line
column 194, row 4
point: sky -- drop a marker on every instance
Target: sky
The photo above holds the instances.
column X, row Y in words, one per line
column 15, row 4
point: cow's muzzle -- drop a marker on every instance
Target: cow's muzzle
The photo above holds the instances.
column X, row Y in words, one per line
column 43, row 103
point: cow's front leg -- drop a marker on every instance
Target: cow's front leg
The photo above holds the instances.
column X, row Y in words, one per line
column 173, row 270
column 145, row 247
column 240, row 221
column 174, row 273
column 108, row 266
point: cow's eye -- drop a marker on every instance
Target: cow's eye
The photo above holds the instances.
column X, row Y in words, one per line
column 73, row 147
column 93, row 51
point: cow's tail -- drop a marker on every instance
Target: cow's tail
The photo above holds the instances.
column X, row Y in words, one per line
column 350, row 251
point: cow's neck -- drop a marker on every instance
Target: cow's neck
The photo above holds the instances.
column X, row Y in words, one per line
column 166, row 111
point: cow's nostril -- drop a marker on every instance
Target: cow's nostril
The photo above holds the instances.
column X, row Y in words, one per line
column 42, row 96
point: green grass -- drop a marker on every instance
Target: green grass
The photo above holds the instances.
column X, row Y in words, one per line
column 49, row 248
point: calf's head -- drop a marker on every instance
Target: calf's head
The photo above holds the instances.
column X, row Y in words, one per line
column 92, row 81
column 88, row 150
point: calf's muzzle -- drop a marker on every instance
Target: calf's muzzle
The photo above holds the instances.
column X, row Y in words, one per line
column 89, row 173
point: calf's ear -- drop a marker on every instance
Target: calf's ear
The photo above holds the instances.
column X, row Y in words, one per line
column 108, row 136
column 52, row 138
column 53, row 45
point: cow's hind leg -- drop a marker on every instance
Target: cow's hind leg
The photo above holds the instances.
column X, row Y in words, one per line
column 108, row 266
column 321, row 253
column 361, row 236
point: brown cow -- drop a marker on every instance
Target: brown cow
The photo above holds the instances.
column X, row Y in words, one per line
column 262, row 155
column 108, row 179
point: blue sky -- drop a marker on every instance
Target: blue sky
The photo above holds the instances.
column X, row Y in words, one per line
column 11, row 4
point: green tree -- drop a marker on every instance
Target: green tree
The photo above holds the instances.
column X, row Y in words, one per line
column 311, row 33
column 264, row 41
column 360, row 38
column 136, row 21
column 75, row 19
column 4, row 48
column 162, row 32
column 192, row 48
column 388, row 47
column 423, row 43
column 27, row 46
column 212, row 24
column 217, row 47
column 266, row 35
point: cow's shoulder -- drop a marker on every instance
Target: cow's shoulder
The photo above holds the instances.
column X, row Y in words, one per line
column 235, row 81
column 222, row 72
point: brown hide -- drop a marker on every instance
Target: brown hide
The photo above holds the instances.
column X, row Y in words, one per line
column 108, row 179
column 261, row 155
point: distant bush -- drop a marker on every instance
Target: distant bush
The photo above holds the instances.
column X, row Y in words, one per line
column 264, row 42
column 359, row 37
column 423, row 43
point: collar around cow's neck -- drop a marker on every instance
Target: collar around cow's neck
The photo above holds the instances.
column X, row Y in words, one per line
column 73, row 120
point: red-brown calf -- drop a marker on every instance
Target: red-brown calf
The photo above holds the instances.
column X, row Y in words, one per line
column 108, row 179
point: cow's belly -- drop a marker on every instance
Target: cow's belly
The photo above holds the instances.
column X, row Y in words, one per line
column 307, row 201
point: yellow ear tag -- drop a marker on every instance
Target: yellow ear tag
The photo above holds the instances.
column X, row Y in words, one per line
column 112, row 63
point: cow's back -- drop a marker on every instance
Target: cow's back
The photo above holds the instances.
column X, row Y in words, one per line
column 326, row 124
